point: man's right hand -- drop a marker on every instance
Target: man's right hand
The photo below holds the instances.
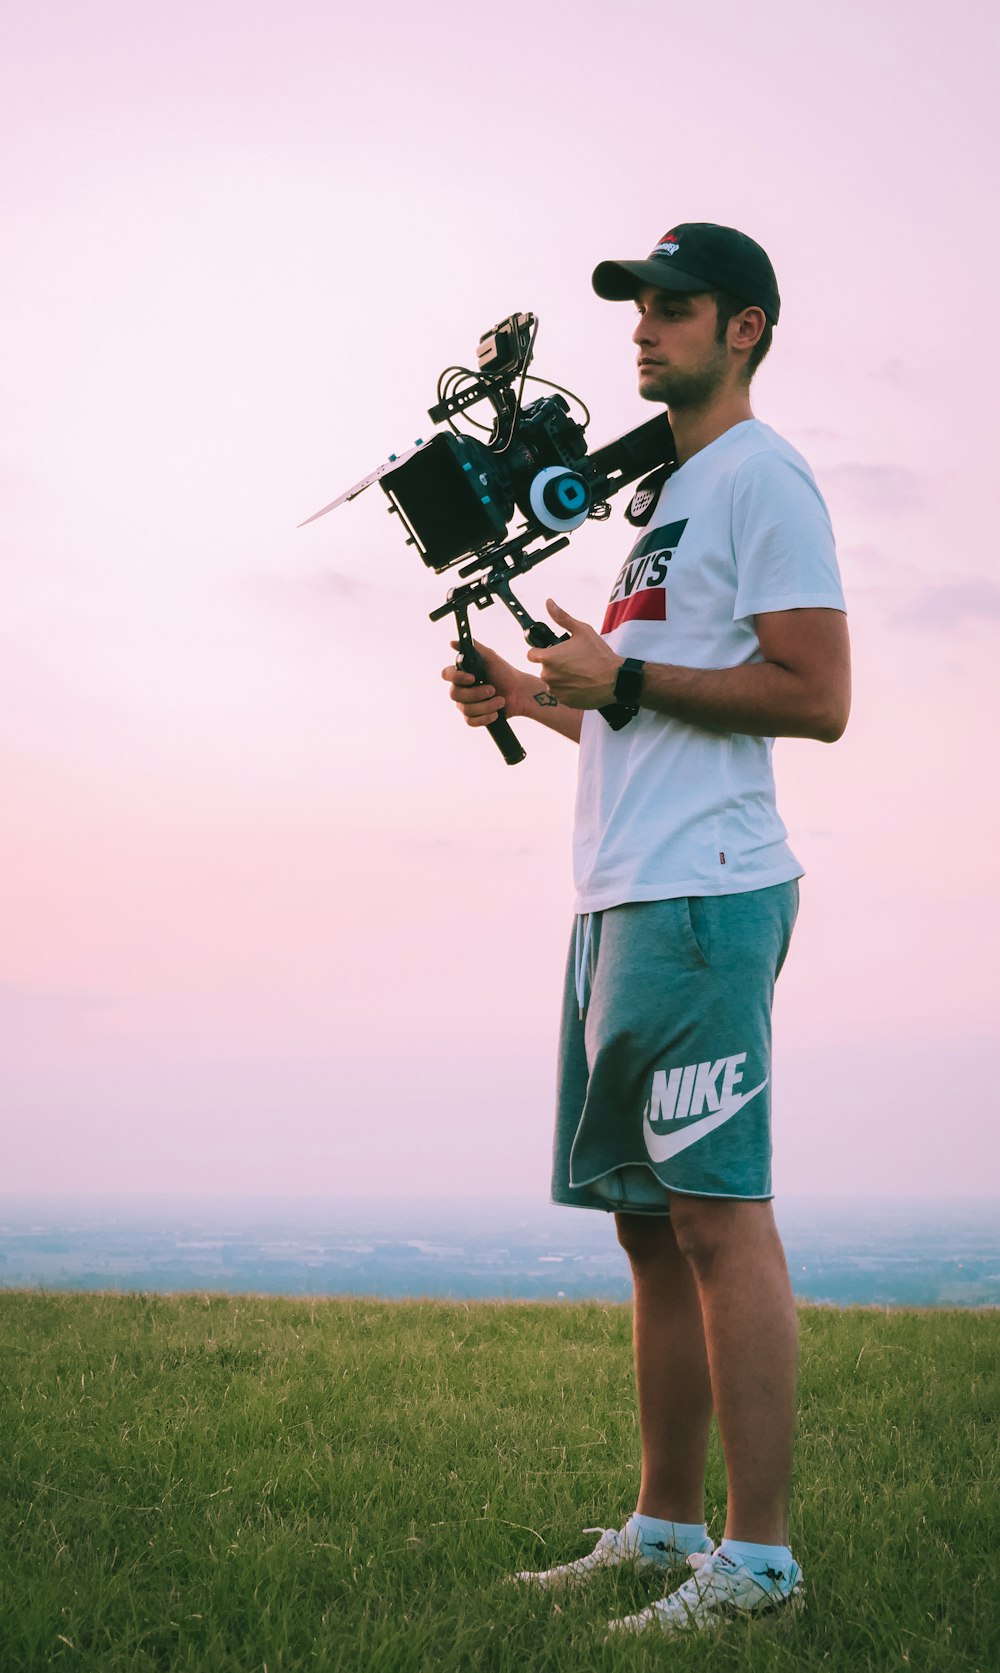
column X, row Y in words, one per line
column 505, row 691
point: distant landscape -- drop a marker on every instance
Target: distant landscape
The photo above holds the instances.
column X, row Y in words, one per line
column 913, row 1254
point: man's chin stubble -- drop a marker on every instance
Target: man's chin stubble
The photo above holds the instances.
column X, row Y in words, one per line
column 685, row 396
column 683, row 393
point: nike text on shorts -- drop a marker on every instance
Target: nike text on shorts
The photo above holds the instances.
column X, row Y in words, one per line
column 665, row 1079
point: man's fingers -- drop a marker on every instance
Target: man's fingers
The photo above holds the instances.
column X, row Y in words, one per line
column 475, row 697
column 480, row 714
column 479, row 702
column 561, row 616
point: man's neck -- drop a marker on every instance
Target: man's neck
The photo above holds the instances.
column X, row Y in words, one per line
column 694, row 427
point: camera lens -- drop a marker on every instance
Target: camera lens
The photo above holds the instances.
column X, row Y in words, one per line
column 560, row 498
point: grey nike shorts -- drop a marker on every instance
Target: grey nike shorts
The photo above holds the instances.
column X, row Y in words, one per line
column 665, row 1050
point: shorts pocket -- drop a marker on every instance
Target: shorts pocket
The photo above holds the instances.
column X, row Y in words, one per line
column 695, row 927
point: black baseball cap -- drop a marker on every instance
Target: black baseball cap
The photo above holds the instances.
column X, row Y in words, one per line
column 697, row 256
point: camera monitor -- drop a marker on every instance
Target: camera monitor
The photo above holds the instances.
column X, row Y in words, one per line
column 449, row 499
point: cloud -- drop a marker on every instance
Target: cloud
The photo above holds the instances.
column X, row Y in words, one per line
column 869, row 561
column 325, row 585
column 973, row 601
column 17, row 999
column 810, row 433
column 336, row 584
column 24, row 1008
column 884, row 489
column 893, row 372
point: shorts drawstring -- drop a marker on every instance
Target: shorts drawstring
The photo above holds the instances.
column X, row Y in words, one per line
column 584, row 924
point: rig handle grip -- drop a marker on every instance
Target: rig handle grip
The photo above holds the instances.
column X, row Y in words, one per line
column 500, row 730
column 503, row 736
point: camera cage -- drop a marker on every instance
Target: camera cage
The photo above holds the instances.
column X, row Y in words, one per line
column 457, row 496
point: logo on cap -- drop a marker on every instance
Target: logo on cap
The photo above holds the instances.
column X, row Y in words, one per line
column 667, row 246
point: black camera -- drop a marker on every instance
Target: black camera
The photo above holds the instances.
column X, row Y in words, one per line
column 457, row 495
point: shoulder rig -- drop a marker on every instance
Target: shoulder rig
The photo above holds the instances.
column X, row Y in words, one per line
column 643, row 502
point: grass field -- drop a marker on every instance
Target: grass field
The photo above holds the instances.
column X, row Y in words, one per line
column 229, row 1483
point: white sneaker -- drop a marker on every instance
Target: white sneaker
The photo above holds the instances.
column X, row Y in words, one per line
column 615, row 1547
column 719, row 1589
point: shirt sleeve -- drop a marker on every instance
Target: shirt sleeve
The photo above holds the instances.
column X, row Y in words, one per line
column 786, row 558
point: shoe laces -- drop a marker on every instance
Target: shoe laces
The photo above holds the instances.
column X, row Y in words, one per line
column 708, row 1580
column 715, row 1575
column 611, row 1540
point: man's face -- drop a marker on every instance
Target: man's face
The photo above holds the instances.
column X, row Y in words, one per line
column 680, row 361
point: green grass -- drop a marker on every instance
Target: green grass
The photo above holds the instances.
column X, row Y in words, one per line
column 216, row 1483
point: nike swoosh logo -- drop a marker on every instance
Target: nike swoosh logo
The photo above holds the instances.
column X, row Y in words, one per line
column 662, row 1146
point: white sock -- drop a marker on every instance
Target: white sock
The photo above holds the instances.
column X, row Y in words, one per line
column 769, row 1564
column 659, row 1537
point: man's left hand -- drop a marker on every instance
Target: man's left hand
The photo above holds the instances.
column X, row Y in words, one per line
column 580, row 672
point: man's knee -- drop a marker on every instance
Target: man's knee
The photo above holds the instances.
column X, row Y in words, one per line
column 707, row 1228
column 645, row 1238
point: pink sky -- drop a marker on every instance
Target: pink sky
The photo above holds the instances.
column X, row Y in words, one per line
column 271, row 919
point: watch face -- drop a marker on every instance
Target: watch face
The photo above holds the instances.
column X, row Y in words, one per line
column 628, row 685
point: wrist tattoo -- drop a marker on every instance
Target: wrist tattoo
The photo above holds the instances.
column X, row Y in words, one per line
column 545, row 700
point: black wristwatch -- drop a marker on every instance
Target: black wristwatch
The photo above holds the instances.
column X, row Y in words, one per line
column 628, row 685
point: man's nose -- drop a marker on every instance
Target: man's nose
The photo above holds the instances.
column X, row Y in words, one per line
column 641, row 334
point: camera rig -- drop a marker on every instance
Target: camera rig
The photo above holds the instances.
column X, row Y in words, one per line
column 457, row 495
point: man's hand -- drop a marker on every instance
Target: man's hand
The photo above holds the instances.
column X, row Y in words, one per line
column 581, row 672
column 506, row 690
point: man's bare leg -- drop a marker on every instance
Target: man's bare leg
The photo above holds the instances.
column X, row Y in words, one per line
column 751, row 1333
column 671, row 1368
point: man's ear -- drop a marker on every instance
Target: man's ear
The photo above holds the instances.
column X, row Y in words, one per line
column 747, row 328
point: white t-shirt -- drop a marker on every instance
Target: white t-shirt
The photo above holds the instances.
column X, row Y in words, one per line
column 665, row 808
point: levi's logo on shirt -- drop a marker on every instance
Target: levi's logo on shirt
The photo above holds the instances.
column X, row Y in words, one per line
column 640, row 590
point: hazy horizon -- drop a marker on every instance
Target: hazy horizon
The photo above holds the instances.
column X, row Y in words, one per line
column 100, row 1196
column 839, row 1253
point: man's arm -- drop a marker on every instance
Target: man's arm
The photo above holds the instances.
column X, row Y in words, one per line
column 542, row 706
column 802, row 689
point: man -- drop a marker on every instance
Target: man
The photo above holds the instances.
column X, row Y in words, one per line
column 725, row 629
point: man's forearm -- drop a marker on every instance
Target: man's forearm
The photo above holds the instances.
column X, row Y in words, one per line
column 759, row 698
column 540, row 705
column 801, row 689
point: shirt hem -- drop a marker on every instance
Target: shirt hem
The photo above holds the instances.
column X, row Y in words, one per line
column 632, row 894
